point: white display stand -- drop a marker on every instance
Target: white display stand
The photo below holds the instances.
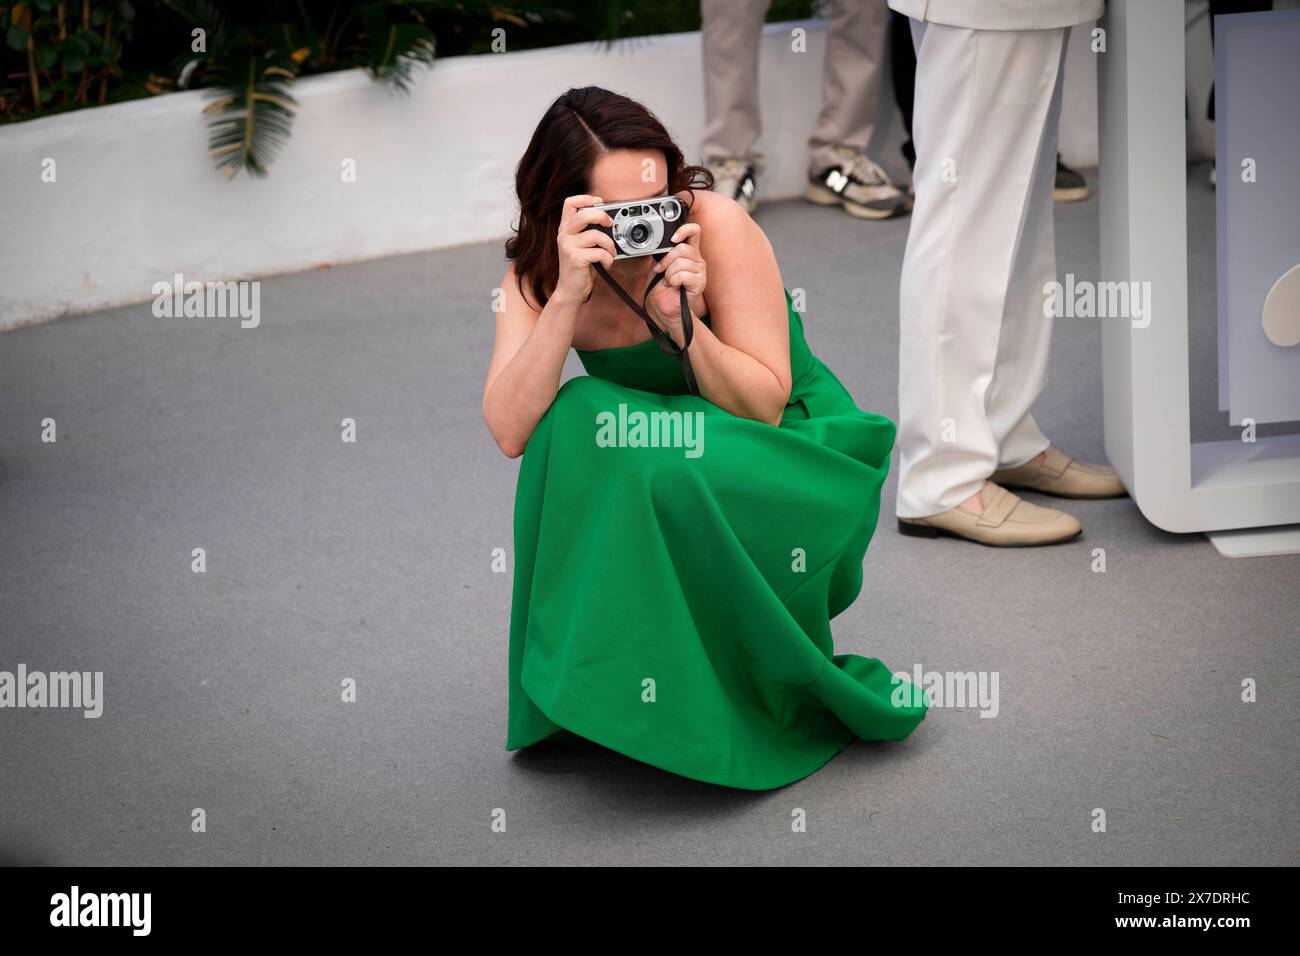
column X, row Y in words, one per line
column 1178, row 485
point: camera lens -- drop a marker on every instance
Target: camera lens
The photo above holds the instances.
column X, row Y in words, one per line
column 639, row 233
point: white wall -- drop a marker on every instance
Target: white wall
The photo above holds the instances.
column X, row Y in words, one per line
column 136, row 198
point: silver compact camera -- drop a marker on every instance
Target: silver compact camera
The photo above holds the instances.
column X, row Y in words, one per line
column 642, row 227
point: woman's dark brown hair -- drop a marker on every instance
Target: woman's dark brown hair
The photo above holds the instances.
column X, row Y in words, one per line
column 557, row 164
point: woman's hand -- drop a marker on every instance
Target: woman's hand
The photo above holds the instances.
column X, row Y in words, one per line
column 683, row 268
column 579, row 247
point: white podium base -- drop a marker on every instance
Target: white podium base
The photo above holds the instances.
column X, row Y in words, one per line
column 1256, row 542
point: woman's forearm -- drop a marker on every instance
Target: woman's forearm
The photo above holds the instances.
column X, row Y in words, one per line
column 520, row 395
column 735, row 381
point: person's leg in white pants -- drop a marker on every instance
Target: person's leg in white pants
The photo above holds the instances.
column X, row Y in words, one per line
column 973, row 340
column 1022, row 363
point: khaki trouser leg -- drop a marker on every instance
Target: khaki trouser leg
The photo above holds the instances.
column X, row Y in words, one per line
column 730, row 32
column 855, row 50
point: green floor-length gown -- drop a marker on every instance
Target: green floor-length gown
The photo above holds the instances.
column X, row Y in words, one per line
column 676, row 607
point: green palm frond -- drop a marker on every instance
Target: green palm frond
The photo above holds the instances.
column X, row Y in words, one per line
column 210, row 18
column 394, row 49
column 253, row 111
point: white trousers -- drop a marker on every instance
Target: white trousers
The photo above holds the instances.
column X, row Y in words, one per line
column 973, row 344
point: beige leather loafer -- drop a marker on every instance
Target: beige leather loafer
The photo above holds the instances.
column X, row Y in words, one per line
column 1059, row 474
column 1007, row 522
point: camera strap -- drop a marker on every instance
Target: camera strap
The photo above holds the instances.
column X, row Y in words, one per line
column 665, row 342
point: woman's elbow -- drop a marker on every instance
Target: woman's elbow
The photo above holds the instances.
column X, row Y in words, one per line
column 774, row 418
column 767, row 415
column 781, row 400
column 510, row 447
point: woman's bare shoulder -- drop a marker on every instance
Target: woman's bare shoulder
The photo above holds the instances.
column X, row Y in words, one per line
column 711, row 207
column 511, row 295
column 510, row 280
column 727, row 231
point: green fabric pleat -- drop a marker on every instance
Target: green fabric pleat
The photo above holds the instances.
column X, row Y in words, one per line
column 659, row 606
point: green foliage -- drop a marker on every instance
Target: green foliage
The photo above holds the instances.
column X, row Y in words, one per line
column 393, row 49
column 252, row 110
column 248, row 53
column 65, row 55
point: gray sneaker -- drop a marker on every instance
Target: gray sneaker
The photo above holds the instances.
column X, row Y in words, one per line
column 859, row 186
column 734, row 178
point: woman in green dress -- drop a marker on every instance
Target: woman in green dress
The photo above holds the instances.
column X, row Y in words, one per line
column 678, row 557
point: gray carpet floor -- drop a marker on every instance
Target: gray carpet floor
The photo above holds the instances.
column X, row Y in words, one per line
column 326, row 561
